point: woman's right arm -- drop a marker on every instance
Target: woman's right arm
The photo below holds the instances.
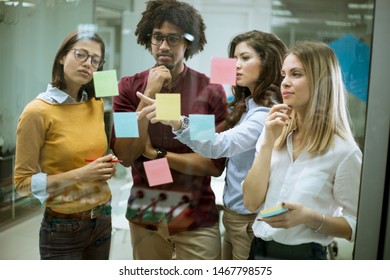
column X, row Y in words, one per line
column 255, row 185
column 100, row 169
column 30, row 138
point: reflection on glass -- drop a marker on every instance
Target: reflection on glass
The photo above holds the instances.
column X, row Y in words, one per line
column 347, row 27
column 345, row 24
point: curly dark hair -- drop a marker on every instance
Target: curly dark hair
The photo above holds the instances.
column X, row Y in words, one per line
column 271, row 51
column 178, row 13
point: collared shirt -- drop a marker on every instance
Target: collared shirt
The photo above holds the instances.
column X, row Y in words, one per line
column 198, row 96
column 238, row 145
column 52, row 95
column 328, row 183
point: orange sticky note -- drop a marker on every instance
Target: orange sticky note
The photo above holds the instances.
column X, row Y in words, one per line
column 223, row 71
column 158, row 172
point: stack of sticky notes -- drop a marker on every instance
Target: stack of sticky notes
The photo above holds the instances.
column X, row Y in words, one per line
column 273, row 211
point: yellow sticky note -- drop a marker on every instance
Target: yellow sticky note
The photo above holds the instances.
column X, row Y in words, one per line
column 106, row 83
column 168, row 106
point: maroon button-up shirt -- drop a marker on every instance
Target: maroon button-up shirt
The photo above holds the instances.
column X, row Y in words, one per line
column 198, row 96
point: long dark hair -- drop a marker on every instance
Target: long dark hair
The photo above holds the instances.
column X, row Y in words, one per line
column 57, row 76
column 271, row 51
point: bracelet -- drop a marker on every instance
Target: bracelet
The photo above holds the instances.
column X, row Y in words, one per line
column 322, row 223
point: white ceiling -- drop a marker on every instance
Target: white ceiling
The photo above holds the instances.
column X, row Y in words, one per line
column 339, row 12
column 319, row 19
column 322, row 19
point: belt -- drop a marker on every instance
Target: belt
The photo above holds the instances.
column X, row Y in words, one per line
column 101, row 210
column 261, row 249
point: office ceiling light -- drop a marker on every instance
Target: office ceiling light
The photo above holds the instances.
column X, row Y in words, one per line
column 354, row 16
column 280, row 21
column 281, row 13
column 360, row 6
column 338, row 23
column 277, row 3
column 16, row 3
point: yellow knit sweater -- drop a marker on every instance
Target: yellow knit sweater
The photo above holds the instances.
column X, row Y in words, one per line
column 56, row 138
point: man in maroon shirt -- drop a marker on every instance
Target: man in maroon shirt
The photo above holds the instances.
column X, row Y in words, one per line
column 173, row 32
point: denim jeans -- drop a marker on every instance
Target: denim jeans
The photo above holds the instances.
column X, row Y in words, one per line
column 70, row 238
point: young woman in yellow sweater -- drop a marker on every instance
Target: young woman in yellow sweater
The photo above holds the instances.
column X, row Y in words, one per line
column 57, row 132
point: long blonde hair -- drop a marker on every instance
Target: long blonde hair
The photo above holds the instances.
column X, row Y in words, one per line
column 326, row 111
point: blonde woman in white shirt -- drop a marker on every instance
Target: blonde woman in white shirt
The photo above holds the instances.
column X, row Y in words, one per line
column 306, row 160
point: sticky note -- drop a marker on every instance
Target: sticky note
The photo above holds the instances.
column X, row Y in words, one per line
column 168, row 106
column 106, row 83
column 273, row 211
column 202, row 127
column 223, row 71
column 158, row 172
column 126, row 124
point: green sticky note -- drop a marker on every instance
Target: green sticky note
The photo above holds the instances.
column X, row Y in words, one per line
column 106, row 83
column 168, row 106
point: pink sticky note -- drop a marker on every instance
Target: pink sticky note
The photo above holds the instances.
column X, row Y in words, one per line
column 223, row 71
column 158, row 172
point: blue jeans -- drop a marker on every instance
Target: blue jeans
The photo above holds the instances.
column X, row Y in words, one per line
column 67, row 237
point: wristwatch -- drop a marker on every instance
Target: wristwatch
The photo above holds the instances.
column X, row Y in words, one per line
column 160, row 153
column 185, row 123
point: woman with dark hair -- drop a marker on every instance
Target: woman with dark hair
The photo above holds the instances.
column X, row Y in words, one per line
column 57, row 132
column 259, row 58
column 307, row 164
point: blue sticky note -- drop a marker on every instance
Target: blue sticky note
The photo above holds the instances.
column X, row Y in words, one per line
column 126, row 124
column 202, row 127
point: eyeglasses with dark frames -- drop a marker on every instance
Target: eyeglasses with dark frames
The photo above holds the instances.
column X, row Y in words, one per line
column 171, row 39
column 82, row 56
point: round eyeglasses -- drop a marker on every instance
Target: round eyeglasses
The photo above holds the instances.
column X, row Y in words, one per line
column 171, row 39
column 82, row 56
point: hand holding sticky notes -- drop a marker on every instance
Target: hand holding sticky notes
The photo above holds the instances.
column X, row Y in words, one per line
column 106, row 83
column 223, row 71
column 273, row 211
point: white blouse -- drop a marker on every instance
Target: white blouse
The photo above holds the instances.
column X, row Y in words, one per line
column 328, row 183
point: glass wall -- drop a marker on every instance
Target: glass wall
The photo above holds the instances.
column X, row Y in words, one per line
column 31, row 32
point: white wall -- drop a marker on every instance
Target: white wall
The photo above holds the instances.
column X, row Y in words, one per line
column 224, row 19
